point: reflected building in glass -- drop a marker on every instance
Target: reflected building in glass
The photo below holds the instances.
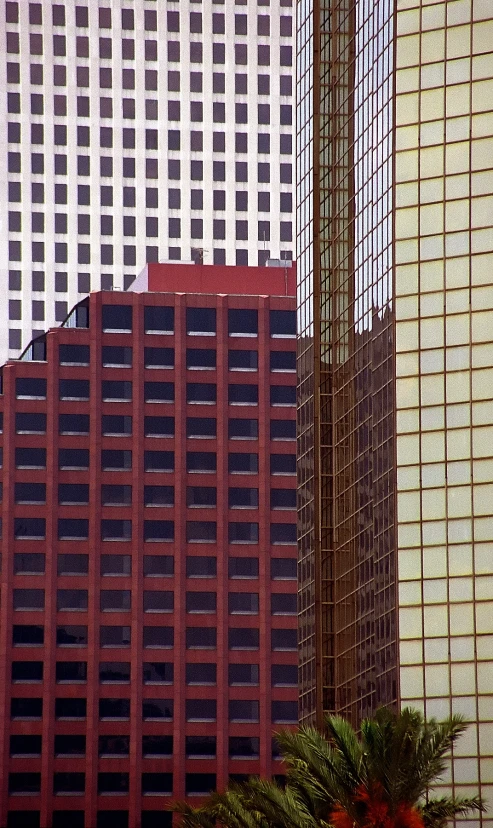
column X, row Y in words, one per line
column 395, row 258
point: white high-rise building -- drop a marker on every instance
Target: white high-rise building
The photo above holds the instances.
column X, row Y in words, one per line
column 136, row 131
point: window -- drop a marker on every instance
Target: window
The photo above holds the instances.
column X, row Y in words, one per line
column 243, row 603
column 27, row 672
column 159, row 357
column 242, row 429
column 158, row 601
column 155, row 710
column 33, row 528
column 283, row 533
column 159, row 496
column 159, row 392
column 114, row 672
column 158, row 531
column 157, row 783
column 201, row 358
column 284, row 640
column 242, row 360
column 73, row 424
column 112, row 709
column 25, row 746
column 243, row 568
column 240, row 675
column 73, row 458
column 282, row 323
column 200, row 710
column 71, row 672
column 28, row 709
column 283, row 429
column 113, row 565
column 283, row 464
column 157, row 672
column 158, row 637
column 73, row 529
column 284, row 675
column 242, row 394
column 71, row 635
column 243, row 710
column 283, row 360
column 201, row 321
column 74, row 600
column 113, row 782
column 116, row 391
column 201, row 427
column 242, row 532
column 284, row 712
column 24, row 782
column 159, row 319
column 243, row 498
column 114, row 600
column 201, row 674
column 30, row 492
column 117, row 318
column 113, row 746
column 116, row 356
column 30, row 388
column 158, row 566
column 201, row 638
column 73, row 564
column 200, row 747
column 116, row 425
column 114, row 636
column 282, row 604
column 157, row 747
column 27, row 635
column 70, row 709
column 243, row 638
column 200, row 602
column 116, row 460
column 283, row 395
column 242, row 463
column 28, row 599
column 203, row 393
column 159, row 461
column 73, row 354
column 201, row 461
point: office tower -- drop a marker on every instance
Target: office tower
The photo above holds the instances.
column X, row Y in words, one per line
column 395, row 247
column 148, row 614
column 138, row 131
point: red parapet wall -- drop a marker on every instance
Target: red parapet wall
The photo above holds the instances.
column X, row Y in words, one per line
column 222, row 279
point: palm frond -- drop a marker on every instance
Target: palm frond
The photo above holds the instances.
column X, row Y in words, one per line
column 437, row 812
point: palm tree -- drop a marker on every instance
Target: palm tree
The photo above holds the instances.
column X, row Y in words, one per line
column 378, row 779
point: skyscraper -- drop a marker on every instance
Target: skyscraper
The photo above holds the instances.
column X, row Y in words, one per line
column 148, row 616
column 395, row 252
column 138, row 131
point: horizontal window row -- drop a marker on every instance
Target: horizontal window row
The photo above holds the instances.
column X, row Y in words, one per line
column 164, row 392
column 161, row 566
column 119, row 425
column 162, row 461
column 118, row 672
column 197, row 638
column 155, row 747
column 119, row 356
column 197, row 531
column 113, row 494
column 196, row 710
column 196, row 392
column 156, row 601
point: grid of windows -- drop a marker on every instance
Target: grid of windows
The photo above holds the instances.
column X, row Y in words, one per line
column 111, row 240
column 136, row 599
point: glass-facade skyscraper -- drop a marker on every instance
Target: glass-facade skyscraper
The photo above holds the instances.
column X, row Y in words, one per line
column 395, row 251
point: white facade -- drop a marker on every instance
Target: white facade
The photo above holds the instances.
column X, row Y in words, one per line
column 134, row 131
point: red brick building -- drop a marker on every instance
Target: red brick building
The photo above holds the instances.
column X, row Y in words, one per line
column 148, row 613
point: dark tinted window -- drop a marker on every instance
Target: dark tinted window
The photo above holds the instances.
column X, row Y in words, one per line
column 158, row 637
column 157, row 746
column 242, row 463
column 201, row 566
column 243, row 710
column 30, row 458
column 159, row 357
column 116, row 317
column 70, row 709
column 243, row 674
column 114, row 672
column 200, row 747
column 200, row 783
column 282, row 323
column 30, row 492
column 283, row 464
column 32, row 422
column 116, row 564
column 284, row 675
column 160, row 392
column 201, row 426
column 201, row 638
column 201, row 461
column 200, row 710
column 73, row 354
column 243, row 603
column 244, row 747
column 30, row 388
column 157, row 672
column 242, row 429
column 201, row 531
column 25, row 746
column 27, row 635
column 30, row 528
column 284, row 639
column 283, row 499
column 158, row 565
column 243, row 498
column 27, row 672
column 201, row 392
column 243, row 638
column 243, row 567
column 283, row 395
column 29, row 563
column 73, row 528
column 116, row 356
column 201, row 321
column 116, row 495
column 114, row 709
column 242, row 360
column 242, row 322
column 73, row 423
column 158, row 601
column 73, row 564
column 201, row 358
column 283, row 360
column 28, row 599
column 71, row 635
column 70, row 672
column 69, row 493
column 72, row 599
column 159, row 319
column 73, row 458
column 114, row 636
column 157, row 709
column 159, row 426
column 116, row 746
column 201, row 674
column 242, row 532
column 242, row 394
column 281, row 533
column 159, row 495
column 284, row 712
column 116, row 460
